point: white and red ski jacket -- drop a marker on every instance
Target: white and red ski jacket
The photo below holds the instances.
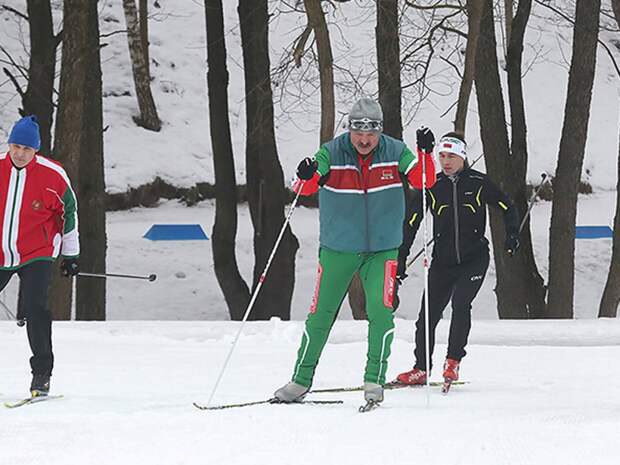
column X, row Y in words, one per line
column 38, row 213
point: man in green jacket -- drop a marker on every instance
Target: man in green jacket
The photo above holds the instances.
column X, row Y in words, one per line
column 362, row 207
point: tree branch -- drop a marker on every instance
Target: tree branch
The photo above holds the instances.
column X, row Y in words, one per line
column 298, row 51
column 13, row 10
column 436, row 6
column 570, row 20
column 15, row 83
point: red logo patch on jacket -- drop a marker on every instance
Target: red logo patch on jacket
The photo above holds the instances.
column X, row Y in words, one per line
column 37, row 205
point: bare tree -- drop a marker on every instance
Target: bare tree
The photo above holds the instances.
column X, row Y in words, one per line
column 37, row 99
column 143, row 7
column 611, row 294
column 388, row 60
column 570, row 160
column 79, row 146
column 522, row 286
column 474, row 10
column 234, row 288
column 149, row 118
column 518, row 289
column 265, row 179
column 316, row 20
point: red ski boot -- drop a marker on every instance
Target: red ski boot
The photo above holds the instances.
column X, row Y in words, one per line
column 412, row 378
column 450, row 374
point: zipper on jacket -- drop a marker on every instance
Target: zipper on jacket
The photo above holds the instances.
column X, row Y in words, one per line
column 455, row 207
column 365, row 187
column 13, row 216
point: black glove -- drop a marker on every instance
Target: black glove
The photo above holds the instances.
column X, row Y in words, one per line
column 425, row 139
column 306, row 168
column 512, row 244
column 401, row 270
column 69, row 267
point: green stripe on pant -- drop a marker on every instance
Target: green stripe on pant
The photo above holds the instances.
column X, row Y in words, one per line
column 336, row 269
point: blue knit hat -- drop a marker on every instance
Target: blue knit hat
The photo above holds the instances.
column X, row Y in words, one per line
column 26, row 132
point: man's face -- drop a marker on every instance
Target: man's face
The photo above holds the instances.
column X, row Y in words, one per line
column 21, row 155
column 450, row 163
column 364, row 141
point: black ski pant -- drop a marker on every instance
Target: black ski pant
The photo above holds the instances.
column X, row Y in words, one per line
column 34, row 280
column 460, row 283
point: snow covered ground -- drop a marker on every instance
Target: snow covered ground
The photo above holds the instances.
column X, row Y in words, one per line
column 539, row 393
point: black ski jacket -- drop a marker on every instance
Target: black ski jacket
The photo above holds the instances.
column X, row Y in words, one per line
column 458, row 232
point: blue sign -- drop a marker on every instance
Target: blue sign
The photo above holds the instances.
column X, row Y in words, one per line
column 176, row 232
column 593, row 232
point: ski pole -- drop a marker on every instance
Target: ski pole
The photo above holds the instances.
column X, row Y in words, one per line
column 151, row 277
column 421, row 251
column 545, row 177
column 261, row 280
column 426, row 306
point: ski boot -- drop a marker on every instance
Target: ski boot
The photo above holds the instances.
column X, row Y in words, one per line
column 450, row 374
column 373, row 395
column 289, row 393
column 412, row 378
column 40, row 385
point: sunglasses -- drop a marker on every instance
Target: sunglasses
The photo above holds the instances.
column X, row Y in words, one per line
column 366, row 125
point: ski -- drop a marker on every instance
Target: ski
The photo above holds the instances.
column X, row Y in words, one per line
column 31, row 400
column 388, row 386
column 267, row 401
column 368, row 406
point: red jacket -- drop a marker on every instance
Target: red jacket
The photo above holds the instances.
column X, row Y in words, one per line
column 38, row 213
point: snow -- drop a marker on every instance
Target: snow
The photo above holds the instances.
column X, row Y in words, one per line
column 129, row 386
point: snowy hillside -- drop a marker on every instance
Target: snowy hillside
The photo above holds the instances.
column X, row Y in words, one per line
column 181, row 152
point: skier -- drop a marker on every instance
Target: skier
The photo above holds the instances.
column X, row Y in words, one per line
column 40, row 222
column 460, row 258
column 362, row 205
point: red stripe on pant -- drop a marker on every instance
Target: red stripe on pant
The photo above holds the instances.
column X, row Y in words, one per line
column 389, row 282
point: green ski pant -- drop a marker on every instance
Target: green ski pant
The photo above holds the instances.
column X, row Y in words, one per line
column 336, row 270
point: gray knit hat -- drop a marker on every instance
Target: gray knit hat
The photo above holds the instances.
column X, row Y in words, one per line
column 366, row 108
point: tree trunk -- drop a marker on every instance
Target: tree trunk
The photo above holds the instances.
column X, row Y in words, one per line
column 524, row 285
column 265, row 180
column 38, row 97
column 570, row 160
column 611, row 294
column 79, row 147
column 91, row 293
column 388, row 61
column 148, row 112
column 143, row 8
column 508, row 11
column 474, row 10
column 234, row 288
column 509, row 292
column 316, row 20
